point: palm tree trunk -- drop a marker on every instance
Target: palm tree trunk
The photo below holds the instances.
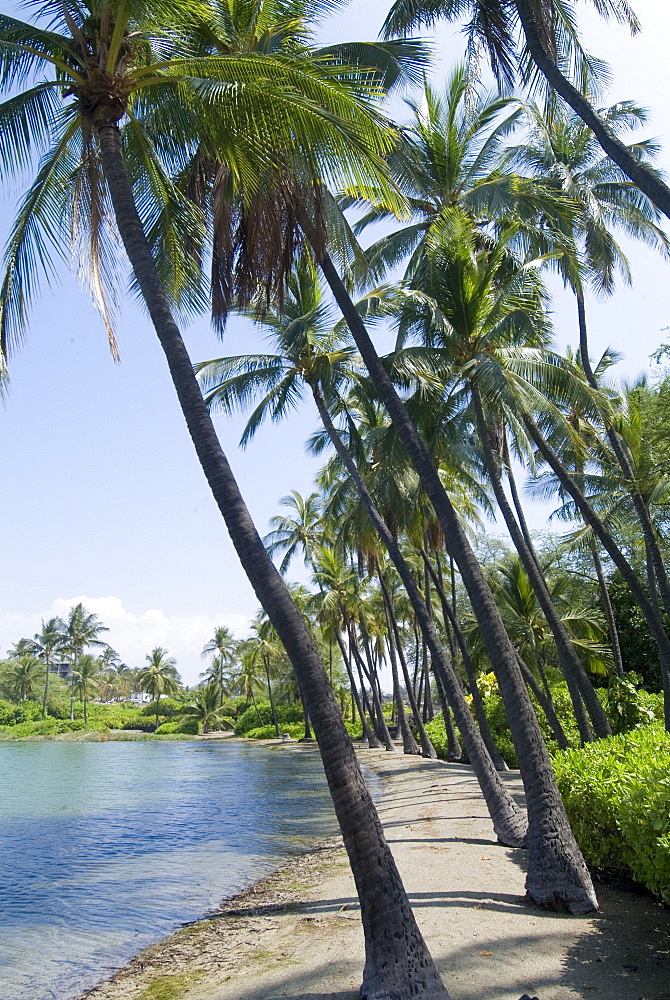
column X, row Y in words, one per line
column 377, row 712
column 644, row 602
column 557, row 874
column 508, row 822
column 397, row 962
column 409, row 744
column 454, row 750
column 609, row 611
column 373, row 742
column 546, row 704
column 571, row 666
column 640, row 174
column 477, row 703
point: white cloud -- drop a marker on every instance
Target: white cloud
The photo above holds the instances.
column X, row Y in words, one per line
column 133, row 635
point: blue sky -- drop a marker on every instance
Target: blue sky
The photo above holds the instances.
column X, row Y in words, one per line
column 101, row 496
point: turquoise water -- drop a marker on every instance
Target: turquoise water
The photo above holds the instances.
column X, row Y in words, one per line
column 107, row 847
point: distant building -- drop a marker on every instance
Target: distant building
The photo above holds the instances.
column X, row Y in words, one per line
column 140, row 698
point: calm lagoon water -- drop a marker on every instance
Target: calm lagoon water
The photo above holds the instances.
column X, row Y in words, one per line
column 107, row 847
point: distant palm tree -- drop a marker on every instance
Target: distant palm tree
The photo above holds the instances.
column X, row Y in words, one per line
column 205, row 707
column 85, row 681
column 223, row 646
column 22, row 674
column 82, row 630
column 160, row 677
column 50, row 640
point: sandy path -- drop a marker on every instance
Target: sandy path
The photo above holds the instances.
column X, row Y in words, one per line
column 297, row 934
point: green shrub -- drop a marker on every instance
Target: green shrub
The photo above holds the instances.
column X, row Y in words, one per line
column 627, row 706
column 230, row 709
column 171, row 727
column 10, row 713
column 438, row 736
column 50, row 727
column 167, row 707
column 294, row 729
column 617, row 794
column 250, row 718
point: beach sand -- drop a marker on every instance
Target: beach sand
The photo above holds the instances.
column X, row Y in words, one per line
column 296, row 934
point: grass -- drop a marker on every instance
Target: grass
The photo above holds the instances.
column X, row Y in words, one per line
column 172, row 987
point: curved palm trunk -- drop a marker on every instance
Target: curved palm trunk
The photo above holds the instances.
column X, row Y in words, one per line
column 609, row 611
column 454, row 750
column 397, row 961
column 377, row 712
column 571, row 666
column 508, row 821
column 653, row 553
column 375, row 685
column 640, row 174
column 644, row 602
column 477, row 703
column 545, row 702
column 373, row 742
column 557, row 874
column 409, row 744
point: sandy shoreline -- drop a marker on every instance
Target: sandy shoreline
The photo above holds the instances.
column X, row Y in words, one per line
column 296, row 934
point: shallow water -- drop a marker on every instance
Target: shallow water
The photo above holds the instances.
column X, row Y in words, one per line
column 107, row 847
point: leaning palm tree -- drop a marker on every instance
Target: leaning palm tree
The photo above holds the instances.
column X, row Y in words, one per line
column 126, row 99
column 125, row 94
column 159, row 677
column 549, row 33
column 563, row 152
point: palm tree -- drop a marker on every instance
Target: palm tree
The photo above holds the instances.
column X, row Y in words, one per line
column 481, row 311
column 82, row 629
column 453, row 154
column 264, row 646
column 549, row 32
column 127, row 63
column 563, row 875
column 85, row 680
column 223, row 648
column 563, row 152
column 159, row 677
column 50, row 640
column 290, row 533
column 22, row 674
column 205, row 707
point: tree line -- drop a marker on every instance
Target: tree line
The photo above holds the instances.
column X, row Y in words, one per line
column 223, row 134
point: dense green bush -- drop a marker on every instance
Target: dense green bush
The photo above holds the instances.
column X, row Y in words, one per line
column 294, row 729
column 186, row 727
column 617, row 794
column 629, row 707
column 11, row 713
column 250, row 719
column 50, row 727
column 167, row 707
